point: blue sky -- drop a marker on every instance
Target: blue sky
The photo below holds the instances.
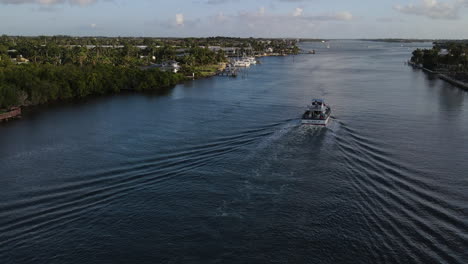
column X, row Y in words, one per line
column 238, row 18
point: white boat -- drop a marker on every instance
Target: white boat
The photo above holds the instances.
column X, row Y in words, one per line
column 241, row 63
column 317, row 114
column 252, row 60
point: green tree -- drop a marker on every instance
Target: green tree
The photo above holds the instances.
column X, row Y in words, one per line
column 9, row 96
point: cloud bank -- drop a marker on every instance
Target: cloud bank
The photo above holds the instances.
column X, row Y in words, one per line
column 179, row 19
column 434, row 9
column 260, row 22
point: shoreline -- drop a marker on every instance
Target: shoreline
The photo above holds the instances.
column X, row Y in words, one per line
column 16, row 112
column 453, row 81
column 444, row 77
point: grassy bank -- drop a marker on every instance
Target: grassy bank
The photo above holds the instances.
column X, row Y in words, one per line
column 206, row 70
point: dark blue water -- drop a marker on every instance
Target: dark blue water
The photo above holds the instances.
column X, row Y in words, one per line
column 220, row 171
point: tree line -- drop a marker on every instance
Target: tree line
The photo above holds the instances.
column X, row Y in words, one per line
column 63, row 67
column 450, row 55
column 59, row 72
column 39, row 84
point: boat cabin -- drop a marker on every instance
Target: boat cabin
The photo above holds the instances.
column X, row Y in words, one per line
column 317, row 105
column 318, row 113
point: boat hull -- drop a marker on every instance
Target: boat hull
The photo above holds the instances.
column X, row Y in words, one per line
column 316, row 122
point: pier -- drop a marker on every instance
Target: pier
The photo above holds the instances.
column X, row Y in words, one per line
column 228, row 72
column 302, row 51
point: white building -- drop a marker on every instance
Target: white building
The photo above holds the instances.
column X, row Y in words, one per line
column 172, row 66
column 443, row 52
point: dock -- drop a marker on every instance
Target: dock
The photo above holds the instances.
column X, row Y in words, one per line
column 302, row 51
column 228, row 72
column 12, row 114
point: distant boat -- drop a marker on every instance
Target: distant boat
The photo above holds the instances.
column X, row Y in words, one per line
column 317, row 114
column 252, row 60
column 328, row 44
column 242, row 63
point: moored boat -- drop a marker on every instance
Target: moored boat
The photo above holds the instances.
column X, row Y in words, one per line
column 241, row 63
column 252, row 60
column 317, row 114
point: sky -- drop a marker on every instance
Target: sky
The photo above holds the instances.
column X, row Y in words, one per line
column 330, row 19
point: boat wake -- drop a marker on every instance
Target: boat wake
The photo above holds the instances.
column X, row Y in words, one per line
column 399, row 206
column 44, row 210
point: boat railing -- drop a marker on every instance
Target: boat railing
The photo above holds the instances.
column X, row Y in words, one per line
column 316, row 108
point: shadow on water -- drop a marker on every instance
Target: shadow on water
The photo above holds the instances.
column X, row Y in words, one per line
column 34, row 112
column 452, row 98
column 431, row 80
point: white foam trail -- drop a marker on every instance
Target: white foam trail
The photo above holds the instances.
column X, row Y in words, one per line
column 278, row 134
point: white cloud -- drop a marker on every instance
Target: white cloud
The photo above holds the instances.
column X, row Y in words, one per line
column 298, row 12
column 434, row 9
column 261, row 11
column 340, row 16
column 179, row 18
column 254, row 23
column 221, row 17
column 345, row 15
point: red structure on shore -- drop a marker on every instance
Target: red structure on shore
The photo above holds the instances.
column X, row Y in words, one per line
column 13, row 113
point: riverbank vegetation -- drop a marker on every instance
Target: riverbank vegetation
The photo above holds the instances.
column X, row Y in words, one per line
column 448, row 58
column 38, row 70
column 38, row 84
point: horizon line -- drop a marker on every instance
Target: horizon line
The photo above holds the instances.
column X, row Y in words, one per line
column 205, row 37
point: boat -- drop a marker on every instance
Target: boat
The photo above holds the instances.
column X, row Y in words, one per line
column 241, row 63
column 317, row 114
column 252, row 60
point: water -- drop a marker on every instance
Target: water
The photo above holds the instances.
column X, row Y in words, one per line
column 220, row 171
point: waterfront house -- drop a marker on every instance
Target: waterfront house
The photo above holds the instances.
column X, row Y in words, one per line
column 167, row 66
column 443, row 52
column 229, row 51
column 172, row 66
column 20, row 60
